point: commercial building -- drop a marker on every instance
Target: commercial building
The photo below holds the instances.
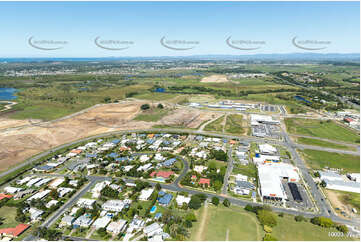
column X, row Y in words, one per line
column 343, row 185
column 270, row 179
column 331, row 176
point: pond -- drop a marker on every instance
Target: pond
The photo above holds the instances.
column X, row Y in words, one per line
column 7, row 93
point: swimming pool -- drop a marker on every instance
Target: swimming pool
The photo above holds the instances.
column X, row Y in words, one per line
column 160, row 179
column 153, row 209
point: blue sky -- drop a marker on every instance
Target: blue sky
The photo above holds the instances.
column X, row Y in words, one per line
column 145, row 23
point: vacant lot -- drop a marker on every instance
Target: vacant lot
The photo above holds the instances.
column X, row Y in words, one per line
column 343, row 201
column 322, row 143
column 34, row 136
column 215, row 79
column 227, row 224
column 8, row 215
column 323, row 129
column 321, row 159
column 152, row 115
column 216, row 125
column 288, row 229
column 235, row 124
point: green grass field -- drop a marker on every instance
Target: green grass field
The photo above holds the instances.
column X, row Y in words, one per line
column 323, row 129
column 320, row 159
column 240, row 225
column 288, row 229
column 8, row 215
column 247, row 170
column 216, row 125
column 234, row 124
column 309, row 141
column 152, row 115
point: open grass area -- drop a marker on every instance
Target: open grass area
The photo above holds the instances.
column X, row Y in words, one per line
column 234, row 124
column 288, row 229
column 247, row 170
column 216, row 125
column 226, row 224
column 309, row 141
column 155, row 96
column 55, row 102
column 320, row 159
column 323, row 129
column 8, row 215
column 152, row 115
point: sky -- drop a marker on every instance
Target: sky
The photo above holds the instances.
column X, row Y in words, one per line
column 187, row 28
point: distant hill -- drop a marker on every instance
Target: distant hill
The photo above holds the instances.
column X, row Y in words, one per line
column 299, row 57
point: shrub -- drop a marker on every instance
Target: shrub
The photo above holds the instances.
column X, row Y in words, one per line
column 323, row 222
column 145, row 106
column 300, row 218
column 269, row 237
column 267, row 229
column 266, row 217
column 342, row 228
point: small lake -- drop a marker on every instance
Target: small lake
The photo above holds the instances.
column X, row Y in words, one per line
column 7, row 93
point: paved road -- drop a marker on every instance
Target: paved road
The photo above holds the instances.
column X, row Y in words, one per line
column 52, row 218
column 313, row 147
column 327, row 140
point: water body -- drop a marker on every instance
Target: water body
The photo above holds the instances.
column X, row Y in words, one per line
column 7, row 94
column 299, row 98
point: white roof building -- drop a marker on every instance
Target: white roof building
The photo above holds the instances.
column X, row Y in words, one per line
column 331, row 176
column 117, row 227
column 54, row 184
column 153, row 229
column 115, row 205
column 199, row 169
column 35, row 214
column 85, row 203
column 39, row 195
column 182, row 199
column 257, row 119
column 12, row 190
column 145, row 194
column 270, row 177
column 144, row 158
column 24, row 180
column 343, row 185
column 51, row 203
column 145, row 167
column 98, row 188
column 127, row 168
column 102, row 222
column 33, row 181
column 62, row 191
column 267, row 149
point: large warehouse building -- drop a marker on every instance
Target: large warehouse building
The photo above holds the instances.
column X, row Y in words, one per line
column 270, row 178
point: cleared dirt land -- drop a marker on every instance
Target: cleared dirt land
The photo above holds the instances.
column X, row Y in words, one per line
column 215, row 79
column 22, row 139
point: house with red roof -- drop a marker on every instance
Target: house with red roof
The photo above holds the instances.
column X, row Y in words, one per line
column 14, row 232
column 164, row 174
column 203, row 181
column 76, row 151
column 2, row 196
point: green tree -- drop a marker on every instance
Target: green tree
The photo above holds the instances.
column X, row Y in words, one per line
column 195, row 202
column 145, row 106
column 226, row 202
column 215, row 200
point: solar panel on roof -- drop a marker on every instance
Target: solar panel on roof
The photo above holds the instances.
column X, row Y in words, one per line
column 295, row 192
